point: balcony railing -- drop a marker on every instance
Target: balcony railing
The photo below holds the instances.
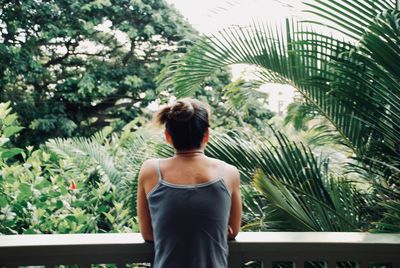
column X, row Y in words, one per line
column 328, row 249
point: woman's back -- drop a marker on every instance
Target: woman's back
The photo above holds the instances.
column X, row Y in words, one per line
column 190, row 214
column 189, row 204
column 192, row 168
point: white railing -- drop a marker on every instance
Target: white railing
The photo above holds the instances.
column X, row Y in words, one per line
column 362, row 249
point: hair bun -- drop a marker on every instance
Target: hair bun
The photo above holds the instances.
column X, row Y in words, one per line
column 181, row 111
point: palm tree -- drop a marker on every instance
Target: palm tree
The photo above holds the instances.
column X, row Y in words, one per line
column 353, row 83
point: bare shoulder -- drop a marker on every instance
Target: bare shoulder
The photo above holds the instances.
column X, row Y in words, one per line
column 231, row 176
column 149, row 162
column 232, row 173
column 148, row 169
column 229, row 171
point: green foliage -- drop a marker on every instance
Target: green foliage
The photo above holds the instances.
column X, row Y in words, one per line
column 352, row 84
column 338, row 79
column 390, row 222
column 72, row 67
column 299, row 114
column 298, row 192
column 244, row 104
column 8, row 127
column 47, row 193
column 88, row 157
column 37, row 197
column 60, row 88
column 111, row 162
column 233, row 104
column 391, row 218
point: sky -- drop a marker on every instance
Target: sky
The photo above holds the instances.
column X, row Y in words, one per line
column 209, row 16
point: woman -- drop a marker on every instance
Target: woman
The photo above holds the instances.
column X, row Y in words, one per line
column 189, row 204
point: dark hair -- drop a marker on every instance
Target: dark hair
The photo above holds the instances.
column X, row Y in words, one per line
column 187, row 120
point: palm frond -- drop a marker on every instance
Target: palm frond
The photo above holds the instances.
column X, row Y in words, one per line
column 256, row 215
column 391, row 218
column 294, row 183
column 348, row 17
column 369, row 83
column 294, row 56
column 138, row 147
column 299, row 114
column 355, row 88
column 85, row 154
column 233, row 149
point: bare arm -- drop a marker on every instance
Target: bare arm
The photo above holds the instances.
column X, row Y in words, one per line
column 145, row 227
column 235, row 217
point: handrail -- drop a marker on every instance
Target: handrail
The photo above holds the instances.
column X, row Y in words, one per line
column 123, row 248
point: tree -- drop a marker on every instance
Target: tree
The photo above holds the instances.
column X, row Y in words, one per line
column 73, row 67
column 237, row 106
column 353, row 84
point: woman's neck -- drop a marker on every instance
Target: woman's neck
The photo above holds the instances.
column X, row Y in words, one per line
column 191, row 152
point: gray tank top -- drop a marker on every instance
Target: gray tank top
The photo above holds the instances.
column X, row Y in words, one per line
column 190, row 223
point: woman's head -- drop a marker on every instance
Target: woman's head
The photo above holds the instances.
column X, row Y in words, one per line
column 187, row 122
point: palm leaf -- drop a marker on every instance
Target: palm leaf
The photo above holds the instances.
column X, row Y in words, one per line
column 86, row 154
column 389, row 196
column 300, row 194
column 355, row 88
column 348, row 17
column 137, row 147
column 369, row 83
column 283, row 57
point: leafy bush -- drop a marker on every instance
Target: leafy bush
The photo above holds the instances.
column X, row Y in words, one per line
column 41, row 192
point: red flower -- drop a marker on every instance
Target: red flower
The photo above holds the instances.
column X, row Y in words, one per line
column 73, row 185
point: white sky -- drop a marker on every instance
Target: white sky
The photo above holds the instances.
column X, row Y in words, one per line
column 209, row 16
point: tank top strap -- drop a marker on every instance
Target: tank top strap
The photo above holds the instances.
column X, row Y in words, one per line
column 160, row 178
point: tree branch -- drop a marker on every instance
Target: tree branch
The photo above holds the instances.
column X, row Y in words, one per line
column 68, row 45
column 109, row 103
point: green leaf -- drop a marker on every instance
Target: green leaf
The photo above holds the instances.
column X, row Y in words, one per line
column 102, row 208
column 71, row 219
column 11, row 153
column 43, row 184
column 110, row 217
column 11, row 130
column 59, row 204
column 3, row 201
column 25, row 189
column 10, row 119
column 30, row 231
